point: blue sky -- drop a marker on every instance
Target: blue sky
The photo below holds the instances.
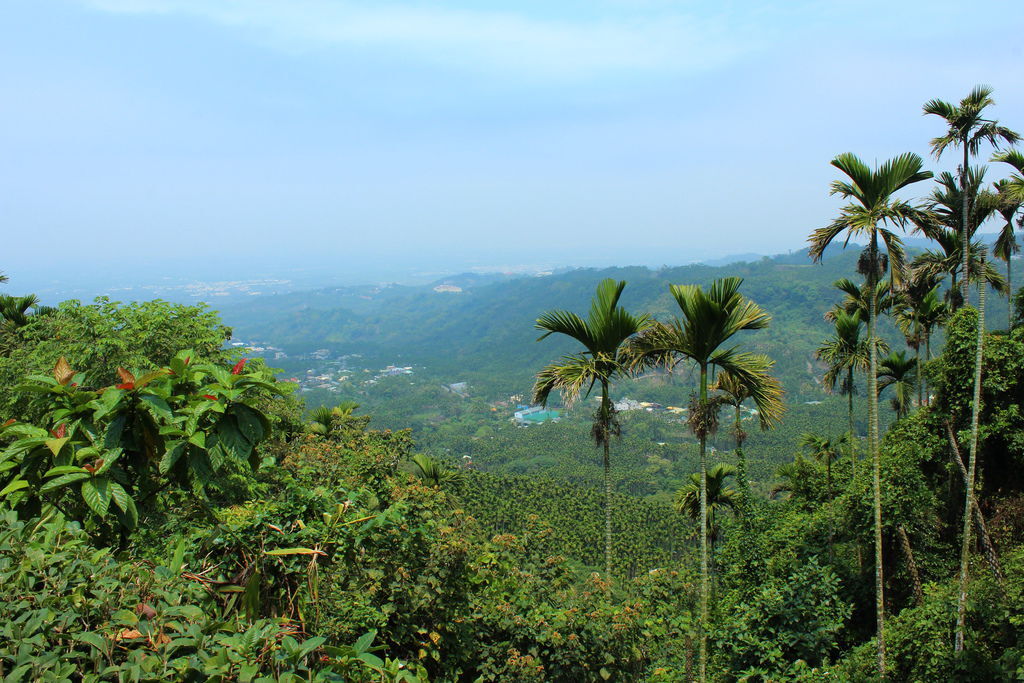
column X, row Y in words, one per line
column 171, row 133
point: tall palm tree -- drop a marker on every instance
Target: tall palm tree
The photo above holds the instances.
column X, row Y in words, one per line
column 967, row 129
column 823, row 449
column 719, row 497
column 709, row 320
column 947, row 260
column 906, row 311
column 932, row 313
column 965, row 549
column 944, row 223
column 857, row 297
column 900, row 373
column 873, row 206
column 603, row 335
column 734, row 392
column 845, row 352
column 1015, row 158
column 1006, row 244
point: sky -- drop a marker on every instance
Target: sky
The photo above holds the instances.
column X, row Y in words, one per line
column 237, row 137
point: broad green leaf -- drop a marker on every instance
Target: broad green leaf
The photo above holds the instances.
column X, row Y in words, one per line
column 56, row 444
column 16, row 485
column 120, row 496
column 231, row 439
column 94, row 639
column 112, row 438
column 64, row 469
column 175, row 449
column 178, row 559
column 158, row 406
column 96, row 494
column 31, row 431
column 109, row 458
column 129, row 515
column 149, row 377
column 249, row 423
column 251, row 600
column 294, row 551
column 64, row 480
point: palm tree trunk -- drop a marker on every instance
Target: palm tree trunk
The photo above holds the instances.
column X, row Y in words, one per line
column 965, row 227
column 916, row 357
column 606, row 419
column 972, row 459
column 928, row 357
column 875, row 458
column 741, row 467
column 915, row 577
column 705, row 580
column 979, row 519
column 1009, row 292
column 849, row 401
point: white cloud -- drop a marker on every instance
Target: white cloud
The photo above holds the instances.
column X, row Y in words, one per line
column 475, row 39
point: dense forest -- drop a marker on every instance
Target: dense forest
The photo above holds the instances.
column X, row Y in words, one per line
column 837, row 495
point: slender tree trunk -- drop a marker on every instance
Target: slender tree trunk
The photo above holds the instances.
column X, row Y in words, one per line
column 741, row 467
column 828, row 475
column 972, row 460
column 875, row 458
column 705, row 579
column 1009, row 291
column 915, row 577
column 928, row 357
column 965, row 226
column 979, row 519
column 606, row 428
column 852, row 444
column 916, row 357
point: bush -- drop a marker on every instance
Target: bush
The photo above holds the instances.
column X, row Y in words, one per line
column 71, row 611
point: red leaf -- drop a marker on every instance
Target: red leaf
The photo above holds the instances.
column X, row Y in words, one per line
column 8, row 423
column 60, row 432
column 126, row 385
column 212, row 398
column 239, row 366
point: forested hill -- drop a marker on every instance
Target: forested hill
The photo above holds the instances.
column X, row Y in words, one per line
column 485, row 332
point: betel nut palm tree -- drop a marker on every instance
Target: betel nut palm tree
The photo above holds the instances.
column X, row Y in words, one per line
column 720, row 496
column 735, row 391
column 710, row 318
column 900, row 373
column 972, row 461
column 1006, row 243
column 873, row 206
column 967, row 129
column 944, row 223
column 603, row 334
column 845, row 352
column 1015, row 183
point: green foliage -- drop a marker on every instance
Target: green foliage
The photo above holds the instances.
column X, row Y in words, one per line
column 69, row 611
column 102, row 337
column 646, row 535
column 789, row 620
column 103, row 452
